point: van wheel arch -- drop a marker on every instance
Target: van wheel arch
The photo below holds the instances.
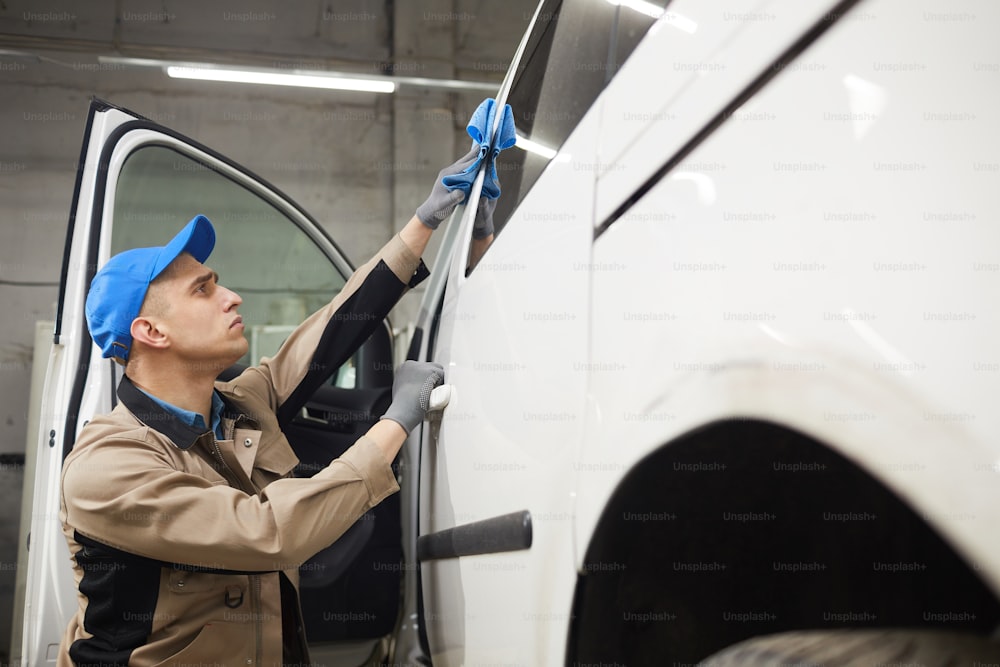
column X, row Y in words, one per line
column 860, row 648
column 717, row 537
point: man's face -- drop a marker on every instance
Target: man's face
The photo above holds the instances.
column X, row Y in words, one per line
column 198, row 315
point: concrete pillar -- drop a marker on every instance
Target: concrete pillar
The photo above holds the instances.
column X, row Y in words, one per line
column 424, row 125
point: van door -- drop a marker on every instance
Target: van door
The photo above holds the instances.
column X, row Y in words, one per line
column 495, row 547
column 137, row 184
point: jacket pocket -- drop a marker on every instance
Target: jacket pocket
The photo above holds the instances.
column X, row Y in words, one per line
column 218, row 643
column 186, row 582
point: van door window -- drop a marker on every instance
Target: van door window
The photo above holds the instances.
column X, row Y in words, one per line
column 575, row 49
column 261, row 254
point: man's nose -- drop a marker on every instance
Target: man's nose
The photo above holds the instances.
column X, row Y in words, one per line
column 232, row 299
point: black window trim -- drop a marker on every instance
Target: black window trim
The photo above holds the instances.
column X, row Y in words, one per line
column 829, row 18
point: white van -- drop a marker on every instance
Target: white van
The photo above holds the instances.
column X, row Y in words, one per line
column 727, row 371
column 730, row 367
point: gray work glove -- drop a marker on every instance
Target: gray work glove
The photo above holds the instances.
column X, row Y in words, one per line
column 442, row 202
column 411, row 392
column 483, row 226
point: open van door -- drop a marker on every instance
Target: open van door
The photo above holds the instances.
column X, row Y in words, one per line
column 137, row 184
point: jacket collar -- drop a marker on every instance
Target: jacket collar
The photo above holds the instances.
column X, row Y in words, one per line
column 153, row 415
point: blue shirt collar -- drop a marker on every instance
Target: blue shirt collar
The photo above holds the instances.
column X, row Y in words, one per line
column 194, row 419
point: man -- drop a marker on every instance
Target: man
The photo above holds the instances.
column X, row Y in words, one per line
column 185, row 526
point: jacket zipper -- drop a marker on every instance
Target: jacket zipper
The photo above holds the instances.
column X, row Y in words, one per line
column 232, row 475
column 258, row 621
column 254, row 578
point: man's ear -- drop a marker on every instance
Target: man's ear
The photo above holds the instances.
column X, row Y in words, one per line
column 146, row 331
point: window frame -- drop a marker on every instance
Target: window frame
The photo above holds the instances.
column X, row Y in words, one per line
column 546, row 17
column 259, row 197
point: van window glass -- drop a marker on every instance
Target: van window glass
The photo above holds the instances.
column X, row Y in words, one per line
column 261, row 254
column 575, row 49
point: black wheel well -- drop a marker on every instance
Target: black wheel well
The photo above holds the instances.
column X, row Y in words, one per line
column 745, row 527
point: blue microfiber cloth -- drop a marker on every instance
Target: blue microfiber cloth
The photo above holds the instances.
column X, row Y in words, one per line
column 479, row 129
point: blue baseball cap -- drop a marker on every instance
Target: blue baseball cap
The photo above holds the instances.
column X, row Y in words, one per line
column 119, row 288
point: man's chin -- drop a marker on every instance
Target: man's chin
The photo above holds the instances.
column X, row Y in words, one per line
column 222, row 362
column 241, row 348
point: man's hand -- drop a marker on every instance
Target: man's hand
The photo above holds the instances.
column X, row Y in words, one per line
column 411, row 392
column 442, row 201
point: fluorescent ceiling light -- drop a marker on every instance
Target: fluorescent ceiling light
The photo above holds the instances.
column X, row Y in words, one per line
column 655, row 11
column 280, row 79
column 301, row 77
column 641, row 6
column 680, row 22
column 534, row 147
column 704, row 184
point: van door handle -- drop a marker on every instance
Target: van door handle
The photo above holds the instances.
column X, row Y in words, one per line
column 440, row 397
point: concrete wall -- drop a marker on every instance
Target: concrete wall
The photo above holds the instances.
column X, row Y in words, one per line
column 336, row 157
